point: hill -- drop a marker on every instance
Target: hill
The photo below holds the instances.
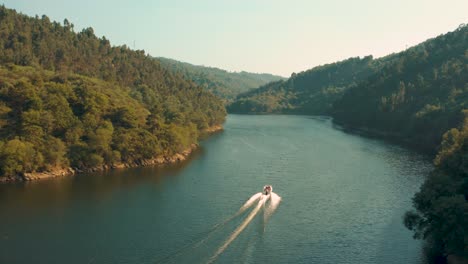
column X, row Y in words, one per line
column 226, row 85
column 422, row 98
column 309, row 92
column 419, row 96
column 72, row 99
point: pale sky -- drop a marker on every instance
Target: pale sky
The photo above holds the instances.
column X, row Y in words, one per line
column 278, row 37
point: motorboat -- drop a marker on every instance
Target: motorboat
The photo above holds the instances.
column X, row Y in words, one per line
column 267, row 189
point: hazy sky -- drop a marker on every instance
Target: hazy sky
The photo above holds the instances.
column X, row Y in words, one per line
column 271, row 36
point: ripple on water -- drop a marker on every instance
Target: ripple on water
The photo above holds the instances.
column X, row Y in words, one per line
column 343, row 197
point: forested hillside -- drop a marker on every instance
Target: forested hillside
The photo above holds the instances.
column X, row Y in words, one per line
column 441, row 215
column 72, row 99
column 309, row 92
column 418, row 96
column 422, row 98
column 222, row 83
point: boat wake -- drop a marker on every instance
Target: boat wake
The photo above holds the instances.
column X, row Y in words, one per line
column 266, row 202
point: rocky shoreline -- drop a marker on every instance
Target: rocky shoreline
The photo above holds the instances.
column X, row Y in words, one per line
column 157, row 161
column 213, row 129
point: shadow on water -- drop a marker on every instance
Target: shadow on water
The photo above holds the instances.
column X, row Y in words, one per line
column 58, row 192
column 391, row 140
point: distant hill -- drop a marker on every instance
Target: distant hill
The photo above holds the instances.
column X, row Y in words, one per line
column 226, row 85
column 309, row 92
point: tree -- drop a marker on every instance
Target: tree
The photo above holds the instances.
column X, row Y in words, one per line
column 17, row 157
column 73, row 99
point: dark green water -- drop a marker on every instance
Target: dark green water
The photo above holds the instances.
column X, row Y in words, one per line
column 343, row 197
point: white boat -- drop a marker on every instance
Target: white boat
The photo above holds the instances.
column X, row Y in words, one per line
column 267, row 189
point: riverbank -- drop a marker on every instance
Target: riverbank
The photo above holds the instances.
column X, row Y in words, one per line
column 156, row 161
column 212, row 129
column 430, row 151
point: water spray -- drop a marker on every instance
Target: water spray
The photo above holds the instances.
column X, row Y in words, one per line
column 269, row 209
column 239, row 229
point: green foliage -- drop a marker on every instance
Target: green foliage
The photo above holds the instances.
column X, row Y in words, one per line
column 71, row 99
column 4, row 111
column 222, row 83
column 420, row 95
column 17, row 156
column 182, row 138
column 309, row 92
column 55, row 153
column 452, row 156
column 417, row 95
column 136, row 144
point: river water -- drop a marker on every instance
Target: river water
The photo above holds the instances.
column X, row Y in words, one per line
column 342, row 201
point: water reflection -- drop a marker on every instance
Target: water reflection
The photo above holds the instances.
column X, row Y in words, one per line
column 59, row 192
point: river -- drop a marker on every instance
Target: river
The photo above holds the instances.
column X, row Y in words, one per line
column 342, row 201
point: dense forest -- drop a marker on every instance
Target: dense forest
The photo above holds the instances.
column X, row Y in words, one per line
column 422, row 98
column 224, row 84
column 308, row 92
column 72, row 99
column 419, row 96
column 441, row 215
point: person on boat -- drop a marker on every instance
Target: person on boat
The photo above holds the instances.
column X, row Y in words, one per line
column 267, row 189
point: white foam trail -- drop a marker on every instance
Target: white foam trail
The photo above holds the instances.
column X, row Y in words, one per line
column 249, row 202
column 196, row 244
column 240, row 228
column 244, row 207
column 275, row 200
column 271, row 207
